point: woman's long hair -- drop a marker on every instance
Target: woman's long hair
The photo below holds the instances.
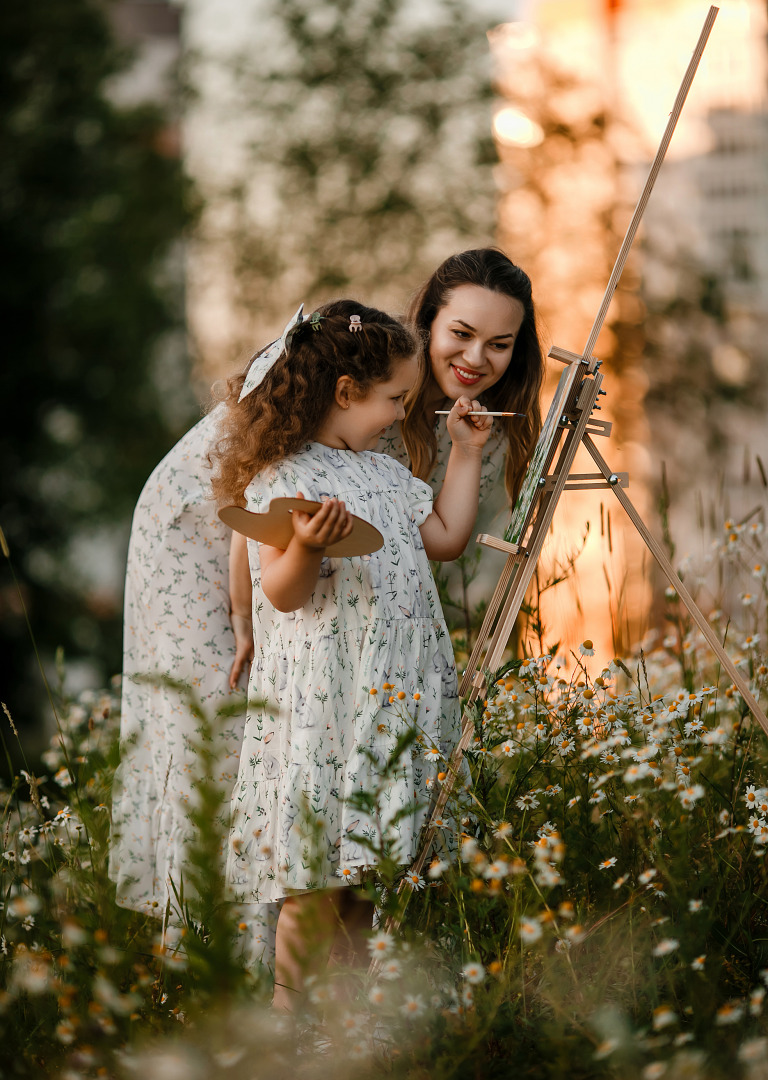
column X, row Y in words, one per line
column 289, row 406
column 517, row 390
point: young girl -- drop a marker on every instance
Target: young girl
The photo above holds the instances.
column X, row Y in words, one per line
column 337, row 638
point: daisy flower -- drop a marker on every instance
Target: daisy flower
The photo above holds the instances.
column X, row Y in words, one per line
column 663, row 1016
column 413, row 1006
column 730, row 1013
column 376, row 995
column 690, row 795
column 646, row 876
column 753, row 1050
column 587, row 648
column 502, row 830
column 390, row 969
column 437, row 868
column 619, row 882
column 665, row 947
column 416, row 881
column 346, row 873
column 432, row 754
column 530, row 930
column 698, row 963
column 380, row 944
column 607, row 863
column 496, row 870
column 473, row 972
column 695, row 905
column 526, row 802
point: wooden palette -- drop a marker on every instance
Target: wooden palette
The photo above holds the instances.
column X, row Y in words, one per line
column 275, row 527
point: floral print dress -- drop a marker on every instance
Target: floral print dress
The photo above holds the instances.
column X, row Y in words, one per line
column 491, row 469
column 176, row 625
column 324, row 688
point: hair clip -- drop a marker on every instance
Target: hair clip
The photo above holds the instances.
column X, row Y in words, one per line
column 354, row 323
column 315, row 319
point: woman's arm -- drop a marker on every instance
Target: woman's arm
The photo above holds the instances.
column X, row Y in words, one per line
column 240, row 597
column 448, row 528
column 289, row 577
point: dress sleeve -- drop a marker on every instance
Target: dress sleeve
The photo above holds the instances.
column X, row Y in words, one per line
column 418, row 494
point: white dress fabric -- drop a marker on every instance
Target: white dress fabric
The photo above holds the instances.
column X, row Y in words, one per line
column 314, row 722
column 491, row 469
column 176, row 625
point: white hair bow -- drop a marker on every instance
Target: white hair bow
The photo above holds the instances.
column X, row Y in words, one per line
column 264, row 362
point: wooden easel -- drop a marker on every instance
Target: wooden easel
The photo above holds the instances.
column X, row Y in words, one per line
column 569, row 425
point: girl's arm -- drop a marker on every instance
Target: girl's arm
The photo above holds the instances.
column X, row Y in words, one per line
column 289, row 577
column 240, row 606
column 448, row 528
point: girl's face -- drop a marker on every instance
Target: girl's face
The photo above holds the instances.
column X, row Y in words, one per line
column 471, row 340
column 358, row 423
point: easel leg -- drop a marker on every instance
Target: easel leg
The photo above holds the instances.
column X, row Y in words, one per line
column 693, row 609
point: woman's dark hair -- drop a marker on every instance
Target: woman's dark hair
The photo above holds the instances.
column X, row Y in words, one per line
column 288, row 407
column 518, row 389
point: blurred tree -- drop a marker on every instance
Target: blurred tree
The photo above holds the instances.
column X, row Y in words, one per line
column 369, row 157
column 92, row 205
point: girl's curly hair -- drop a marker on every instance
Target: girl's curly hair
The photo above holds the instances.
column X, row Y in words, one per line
column 288, row 407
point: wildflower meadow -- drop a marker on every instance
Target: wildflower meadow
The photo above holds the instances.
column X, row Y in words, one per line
column 596, row 904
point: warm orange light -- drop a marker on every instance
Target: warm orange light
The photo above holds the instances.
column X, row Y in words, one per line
column 513, row 128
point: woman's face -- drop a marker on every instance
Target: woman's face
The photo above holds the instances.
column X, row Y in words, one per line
column 472, row 338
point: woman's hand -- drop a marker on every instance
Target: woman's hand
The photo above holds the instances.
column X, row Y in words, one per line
column 331, row 523
column 243, row 629
column 468, row 431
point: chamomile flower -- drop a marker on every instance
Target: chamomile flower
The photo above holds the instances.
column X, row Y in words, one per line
column 730, row 1013
column 690, row 795
column 526, row 802
column 496, row 870
column 436, row 869
column 414, row 881
column 663, row 1016
column 587, row 648
column 502, row 830
column 346, row 873
column 606, row 864
column 530, row 930
column 380, row 944
column 377, row 995
column 432, row 754
column 666, row 946
column 413, row 1006
column 646, row 876
column 473, row 972
column 390, row 969
column 697, row 964
column 753, row 1050
column 695, row 905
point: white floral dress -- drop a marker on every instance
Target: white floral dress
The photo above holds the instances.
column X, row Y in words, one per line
column 176, row 624
column 372, row 620
column 491, row 469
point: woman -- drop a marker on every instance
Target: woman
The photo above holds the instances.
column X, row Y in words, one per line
column 476, row 322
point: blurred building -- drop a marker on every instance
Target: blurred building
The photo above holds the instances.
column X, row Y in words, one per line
column 589, row 86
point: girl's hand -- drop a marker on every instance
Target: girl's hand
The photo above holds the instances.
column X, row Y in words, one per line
column 243, row 628
column 468, row 431
column 331, row 523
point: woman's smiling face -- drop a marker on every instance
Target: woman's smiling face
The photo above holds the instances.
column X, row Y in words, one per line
column 471, row 340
